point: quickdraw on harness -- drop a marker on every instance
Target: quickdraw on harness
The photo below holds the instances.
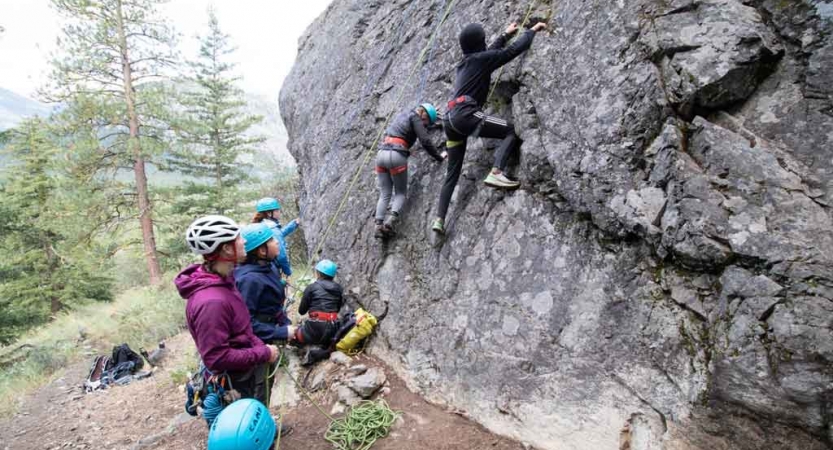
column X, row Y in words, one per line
column 210, row 392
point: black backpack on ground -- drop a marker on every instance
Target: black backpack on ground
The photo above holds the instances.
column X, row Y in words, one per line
column 116, row 369
column 122, row 354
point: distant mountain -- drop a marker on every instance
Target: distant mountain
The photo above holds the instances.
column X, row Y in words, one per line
column 272, row 128
column 14, row 108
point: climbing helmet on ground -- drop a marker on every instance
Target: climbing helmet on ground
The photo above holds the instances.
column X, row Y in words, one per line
column 205, row 235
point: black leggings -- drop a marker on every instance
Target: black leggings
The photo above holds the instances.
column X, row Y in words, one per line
column 458, row 128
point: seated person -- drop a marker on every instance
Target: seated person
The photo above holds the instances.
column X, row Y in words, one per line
column 321, row 300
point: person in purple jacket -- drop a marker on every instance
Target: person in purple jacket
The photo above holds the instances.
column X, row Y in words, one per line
column 216, row 314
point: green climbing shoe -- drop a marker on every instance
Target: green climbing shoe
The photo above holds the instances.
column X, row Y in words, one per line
column 438, row 226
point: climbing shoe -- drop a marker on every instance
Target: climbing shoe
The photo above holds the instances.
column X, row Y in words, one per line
column 380, row 232
column 389, row 227
column 285, row 429
column 438, row 226
column 499, row 180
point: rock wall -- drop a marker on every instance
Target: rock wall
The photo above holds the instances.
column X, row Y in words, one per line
column 664, row 277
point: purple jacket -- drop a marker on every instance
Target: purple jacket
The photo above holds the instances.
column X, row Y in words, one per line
column 219, row 321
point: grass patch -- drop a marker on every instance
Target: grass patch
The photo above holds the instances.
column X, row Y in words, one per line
column 141, row 317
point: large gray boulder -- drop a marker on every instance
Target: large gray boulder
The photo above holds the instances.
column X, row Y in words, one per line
column 664, row 277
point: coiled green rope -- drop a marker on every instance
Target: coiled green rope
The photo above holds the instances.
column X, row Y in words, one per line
column 362, row 426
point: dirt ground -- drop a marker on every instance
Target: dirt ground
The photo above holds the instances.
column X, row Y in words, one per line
column 148, row 414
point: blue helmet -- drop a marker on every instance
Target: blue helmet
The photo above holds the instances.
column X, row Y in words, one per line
column 256, row 234
column 327, row 267
column 432, row 112
column 268, row 204
column 243, row 425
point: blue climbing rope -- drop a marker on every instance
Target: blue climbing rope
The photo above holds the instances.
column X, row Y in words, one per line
column 212, row 405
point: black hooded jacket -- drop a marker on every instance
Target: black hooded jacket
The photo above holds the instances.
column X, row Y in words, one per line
column 323, row 295
column 474, row 72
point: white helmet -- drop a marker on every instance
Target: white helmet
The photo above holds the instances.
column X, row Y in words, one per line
column 206, row 234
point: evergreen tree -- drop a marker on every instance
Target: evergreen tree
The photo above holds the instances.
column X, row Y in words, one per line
column 42, row 272
column 115, row 52
column 213, row 140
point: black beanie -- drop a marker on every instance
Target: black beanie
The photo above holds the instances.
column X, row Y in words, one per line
column 473, row 39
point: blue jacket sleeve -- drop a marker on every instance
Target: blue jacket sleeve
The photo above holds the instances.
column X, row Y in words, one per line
column 283, row 262
column 252, row 291
column 289, row 228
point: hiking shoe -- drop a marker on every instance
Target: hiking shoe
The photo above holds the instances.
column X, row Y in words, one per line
column 438, row 226
column 499, row 180
column 285, row 429
column 380, row 232
column 390, row 223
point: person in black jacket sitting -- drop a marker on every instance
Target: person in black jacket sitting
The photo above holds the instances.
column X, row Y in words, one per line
column 321, row 301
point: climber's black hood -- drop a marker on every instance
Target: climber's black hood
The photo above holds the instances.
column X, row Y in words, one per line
column 473, row 39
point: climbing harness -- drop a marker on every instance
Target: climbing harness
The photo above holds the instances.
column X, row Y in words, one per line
column 210, row 392
column 362, row 426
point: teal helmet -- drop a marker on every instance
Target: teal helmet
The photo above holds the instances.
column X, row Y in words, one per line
column 243, row 425
column 327, row 267
column 268, row 204
column 256, row 234
column 432, row 112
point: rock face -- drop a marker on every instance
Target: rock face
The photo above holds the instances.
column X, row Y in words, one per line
column 664, row 277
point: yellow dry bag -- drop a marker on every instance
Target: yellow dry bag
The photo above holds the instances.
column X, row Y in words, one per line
column 365, row 323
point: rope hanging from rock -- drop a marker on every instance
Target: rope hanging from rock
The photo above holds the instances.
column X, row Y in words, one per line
column 379, row 135
column 369, row 84
column 362, row 426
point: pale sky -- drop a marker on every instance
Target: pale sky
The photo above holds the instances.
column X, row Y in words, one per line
column 265, row 33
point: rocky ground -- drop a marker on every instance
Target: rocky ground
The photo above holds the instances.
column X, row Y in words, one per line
column 148, row 414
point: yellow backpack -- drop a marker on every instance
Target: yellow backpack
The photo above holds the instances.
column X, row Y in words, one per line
column 365, row 323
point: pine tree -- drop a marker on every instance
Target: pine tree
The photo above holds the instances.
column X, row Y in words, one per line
column 115, row 52
column 212, row 134
column 41, row 272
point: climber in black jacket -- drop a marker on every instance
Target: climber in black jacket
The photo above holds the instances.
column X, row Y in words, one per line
column 465, row 116
column 392, row 161
column 322, row 300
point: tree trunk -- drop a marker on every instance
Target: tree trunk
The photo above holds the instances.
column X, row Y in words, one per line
column 218, row 172
column 145, row 210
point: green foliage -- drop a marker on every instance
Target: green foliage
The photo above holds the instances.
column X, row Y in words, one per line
column 114, row 54
column 213, row 145
column 45, row 269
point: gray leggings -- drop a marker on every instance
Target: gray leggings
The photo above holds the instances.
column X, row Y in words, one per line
column 392, row 173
